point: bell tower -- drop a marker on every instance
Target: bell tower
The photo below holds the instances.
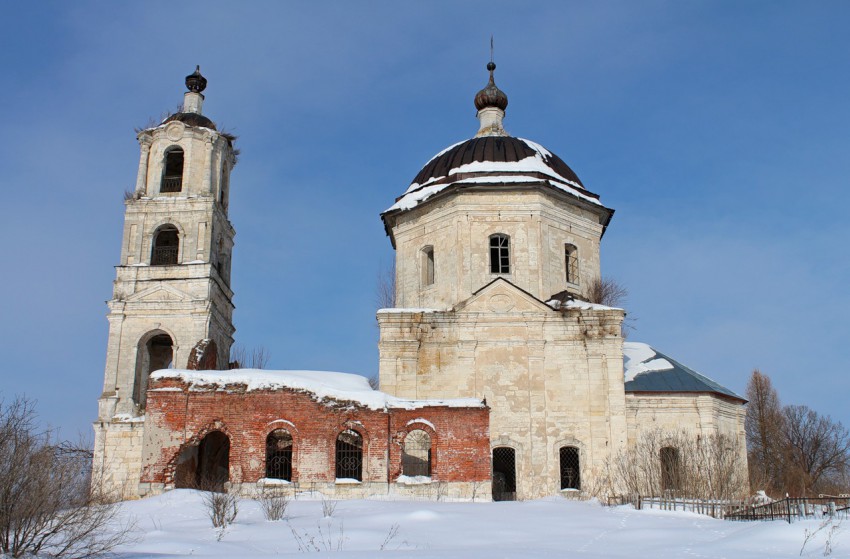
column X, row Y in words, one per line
column 172, row 285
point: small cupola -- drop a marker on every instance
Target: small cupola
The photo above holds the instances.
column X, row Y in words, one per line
column 193, row 102
column 491, row 103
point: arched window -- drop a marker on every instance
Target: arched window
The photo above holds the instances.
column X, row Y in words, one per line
column 670, row 469
column 570, row 468
column 504, row 474
column 349, row 455
column 571, row 263
column 172, row 173
column 500, row 254
column 279, row 455
column 416, row 456
column 165, row 246
column 427, row 266
column 154, row 353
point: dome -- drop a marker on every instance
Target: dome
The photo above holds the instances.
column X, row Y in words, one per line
column 503, row 155
column 491, row 96
column 192, row 119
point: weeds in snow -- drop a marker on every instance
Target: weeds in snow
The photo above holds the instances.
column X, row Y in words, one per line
column 222, row 509
column 324, row 540
column 273, row 502
column 391, row 535
column 831, row 526
column 328, row 507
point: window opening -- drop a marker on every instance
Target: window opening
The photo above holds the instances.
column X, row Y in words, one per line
column 570, row 471
column 670, row 469
column 504, row 474
column 500, row 254
column 416, row 455
column 155, row 354
column 166, row 245
column 213, row 462
column 427, row 266
column 349, row 455
column 571, row 263
column 172, row 175
column 279, row 455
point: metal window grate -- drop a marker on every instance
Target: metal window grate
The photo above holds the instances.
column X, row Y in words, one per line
column 416, row 456
column 504, row 474
column 279, row 455
column 349, row 455
column 570, row 468
column 171, row 184
column 164, row 256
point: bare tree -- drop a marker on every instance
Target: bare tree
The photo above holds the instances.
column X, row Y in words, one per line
column 374, row 382
column 682, row 464
column 815, row 446
column 764, row 429
column 606, row 291
column 254, row 358
column 385, row 287
column 49, row 503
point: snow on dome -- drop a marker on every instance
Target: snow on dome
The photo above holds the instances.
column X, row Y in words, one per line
column 492, row 159
column 322, row 385
column 640, row 358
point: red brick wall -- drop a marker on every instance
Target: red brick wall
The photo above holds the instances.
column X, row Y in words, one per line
column 176, row 417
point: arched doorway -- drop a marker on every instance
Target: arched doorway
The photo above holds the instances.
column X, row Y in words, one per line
column 155, row 352
column 504, row 474
column 213, row 469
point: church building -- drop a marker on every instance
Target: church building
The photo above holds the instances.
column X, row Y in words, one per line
column 499, row 376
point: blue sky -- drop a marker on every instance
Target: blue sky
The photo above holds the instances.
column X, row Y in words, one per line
column 717, row 130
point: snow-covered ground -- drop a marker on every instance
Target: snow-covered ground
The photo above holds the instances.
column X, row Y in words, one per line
column 176, row 525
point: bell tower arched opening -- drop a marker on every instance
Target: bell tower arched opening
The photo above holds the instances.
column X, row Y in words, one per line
column 155, row 352
column 165, row 247
column 172, row 171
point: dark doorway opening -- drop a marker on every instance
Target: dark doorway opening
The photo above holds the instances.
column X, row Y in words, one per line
column 155, row 354
column 504, row 474
column 213, row 469
column 570, row 471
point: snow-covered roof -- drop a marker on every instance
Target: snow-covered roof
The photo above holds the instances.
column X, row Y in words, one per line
column 321, row 385
column 648, row 370
column 558, row 304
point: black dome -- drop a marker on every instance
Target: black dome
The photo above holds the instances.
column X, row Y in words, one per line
column 497, row 149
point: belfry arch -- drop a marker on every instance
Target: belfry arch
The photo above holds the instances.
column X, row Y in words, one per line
column 155, row 351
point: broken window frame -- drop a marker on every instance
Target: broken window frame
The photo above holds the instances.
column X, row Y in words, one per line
column 416, row 454
column 571, row 264
column 500, row 254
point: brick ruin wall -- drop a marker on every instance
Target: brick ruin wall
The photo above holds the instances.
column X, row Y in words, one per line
column 179, row 415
